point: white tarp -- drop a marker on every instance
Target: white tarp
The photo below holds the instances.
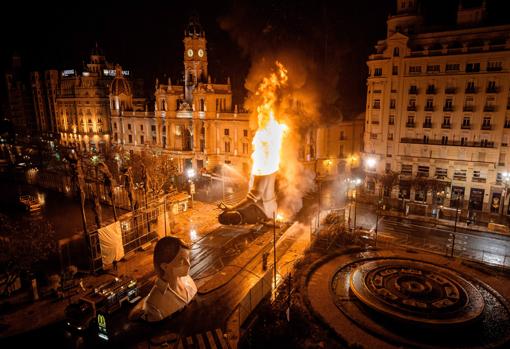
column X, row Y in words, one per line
column 110, row 241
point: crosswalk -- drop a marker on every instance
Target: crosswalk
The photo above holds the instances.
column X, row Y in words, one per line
column 212, row 339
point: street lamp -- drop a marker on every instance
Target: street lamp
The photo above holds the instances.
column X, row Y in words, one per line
column 355, row 183
column 191, row 174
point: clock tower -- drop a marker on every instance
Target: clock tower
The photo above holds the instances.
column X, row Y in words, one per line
column 195, row 56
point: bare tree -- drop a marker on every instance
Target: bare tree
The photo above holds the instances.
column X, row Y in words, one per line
column 23, row 247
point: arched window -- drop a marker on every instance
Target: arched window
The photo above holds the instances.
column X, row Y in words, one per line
column 396, row 52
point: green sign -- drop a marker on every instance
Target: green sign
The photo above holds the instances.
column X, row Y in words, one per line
column 101, row 324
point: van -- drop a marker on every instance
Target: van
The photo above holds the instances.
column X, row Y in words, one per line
column 105, row 299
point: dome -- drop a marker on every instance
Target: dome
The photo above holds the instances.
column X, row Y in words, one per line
column 120, row 85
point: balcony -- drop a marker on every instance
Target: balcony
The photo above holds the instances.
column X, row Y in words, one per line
column 413, row 91
column 468, row 108
column 486, row 127
column 450, row 90
column 448, row 108
column 431, row 91
column 466, row 127
column 483, row 144
column 411, row 108
column 427, row 125
column 410, row 124
column 492, row 89
column 447, row 126
column 470, row 90
column 489, row 108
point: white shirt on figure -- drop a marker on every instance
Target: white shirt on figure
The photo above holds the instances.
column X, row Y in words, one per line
column 162, row 301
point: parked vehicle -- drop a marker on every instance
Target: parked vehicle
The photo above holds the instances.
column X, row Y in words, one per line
column 104, row 299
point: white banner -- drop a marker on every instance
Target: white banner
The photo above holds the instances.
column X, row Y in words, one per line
column 110, row 241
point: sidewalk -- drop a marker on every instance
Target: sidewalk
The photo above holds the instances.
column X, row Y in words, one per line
column 190, row 226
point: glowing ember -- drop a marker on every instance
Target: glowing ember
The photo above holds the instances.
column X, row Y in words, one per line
column 267, row 142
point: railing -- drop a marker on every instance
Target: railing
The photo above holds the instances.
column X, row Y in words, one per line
column 431, row 91
column 483, row 144
column 413, row 91
column 446, row 125
column 450, row 90
column 465, row 126
column 486, row 127
column 410, row 124
column 470, row 90
column 468, row 108
column 429, row 108
column 492, row 90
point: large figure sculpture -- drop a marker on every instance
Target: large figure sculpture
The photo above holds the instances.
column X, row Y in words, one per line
column 258, row 206
column 174, row 288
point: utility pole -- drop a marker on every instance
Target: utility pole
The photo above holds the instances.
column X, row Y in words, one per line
column 456, row 214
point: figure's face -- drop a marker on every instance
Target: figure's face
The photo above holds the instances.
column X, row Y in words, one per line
column 179, row 266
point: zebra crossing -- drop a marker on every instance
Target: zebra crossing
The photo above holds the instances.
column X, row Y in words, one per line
column 212, row 339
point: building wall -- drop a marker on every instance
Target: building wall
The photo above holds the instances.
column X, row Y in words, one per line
column 439, row 101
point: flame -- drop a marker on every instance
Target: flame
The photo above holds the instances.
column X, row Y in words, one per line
column 267, row 142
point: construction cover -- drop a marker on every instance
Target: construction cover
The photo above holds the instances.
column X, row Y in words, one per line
column 110, row 241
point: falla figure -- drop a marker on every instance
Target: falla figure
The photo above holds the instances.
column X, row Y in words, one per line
column 173, row 288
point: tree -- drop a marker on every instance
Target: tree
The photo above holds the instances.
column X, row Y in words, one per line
column 23, row 247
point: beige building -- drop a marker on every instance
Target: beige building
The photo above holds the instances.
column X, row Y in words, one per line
column 438, row 106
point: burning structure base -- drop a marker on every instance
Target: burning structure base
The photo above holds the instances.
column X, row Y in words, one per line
column 258, row 206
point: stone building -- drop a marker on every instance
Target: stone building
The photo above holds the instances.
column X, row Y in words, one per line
column 438, row 107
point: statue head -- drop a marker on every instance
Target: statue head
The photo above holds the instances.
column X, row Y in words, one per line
column 171, row 258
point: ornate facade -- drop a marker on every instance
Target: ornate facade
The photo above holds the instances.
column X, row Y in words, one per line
column 438, row 107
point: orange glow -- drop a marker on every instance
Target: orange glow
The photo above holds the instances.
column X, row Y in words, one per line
column 267, row 142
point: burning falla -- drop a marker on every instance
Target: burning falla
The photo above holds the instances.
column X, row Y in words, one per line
column 260, row 203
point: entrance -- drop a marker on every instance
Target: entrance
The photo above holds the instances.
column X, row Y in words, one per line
column 476, row 199
column 457, row 197
column 496, row 202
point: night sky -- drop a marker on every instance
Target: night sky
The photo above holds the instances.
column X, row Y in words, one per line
column 146, row 37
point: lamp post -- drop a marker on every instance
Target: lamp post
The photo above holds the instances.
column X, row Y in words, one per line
column 356, row 183
column 457, row 198
column 191, row 174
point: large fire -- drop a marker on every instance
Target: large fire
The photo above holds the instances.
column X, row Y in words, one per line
column 267, row 142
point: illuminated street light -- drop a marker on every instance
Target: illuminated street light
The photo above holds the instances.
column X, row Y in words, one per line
column 370, row 163
column 191, row 173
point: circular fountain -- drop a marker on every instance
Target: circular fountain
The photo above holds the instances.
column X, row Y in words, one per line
column 416, row 292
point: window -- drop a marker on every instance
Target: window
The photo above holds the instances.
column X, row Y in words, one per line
column 129, row 127
column 130, row 138
column 441, row 172
column 470, row 86
column 141, row 140
column 448, row 103
column 425, row 139
column 452, row 67
column 466, row 121
column 429, row 103
column 396, row 52
column 141, row 128
column 434, row 68
column 342, row 135
column 444, row 140
column 226, row 132
column 491, row 87
column 114, row 125
column 423, row 171
column 406, row 170
column 486, row 121
column 394, row 70
column 245, row 148
column 377, row 104
column 373, row 135
column 164, row 129
column 227, row 147
column 153, row 139
column 393, row 103
column 494, row 66
column 390, row 136
column 479, row 176
column 378, row 72
column 415, row 69
column 412, row 102
column 463, row 140
column 153, row 128
column 472, row 67
column 459, row 175
column 202, row 104
column 245, row 133
column 391, row 120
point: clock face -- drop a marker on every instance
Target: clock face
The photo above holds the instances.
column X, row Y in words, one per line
column 190, row 53
column 201, row 53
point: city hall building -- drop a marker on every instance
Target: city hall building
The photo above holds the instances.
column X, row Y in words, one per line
column 438, row 107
